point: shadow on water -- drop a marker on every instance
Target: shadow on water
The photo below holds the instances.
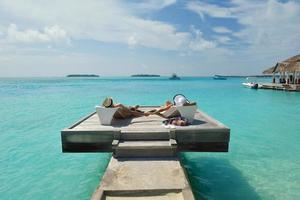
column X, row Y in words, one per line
column 216, row 178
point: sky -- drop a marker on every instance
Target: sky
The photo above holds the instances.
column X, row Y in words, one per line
column 120, row 38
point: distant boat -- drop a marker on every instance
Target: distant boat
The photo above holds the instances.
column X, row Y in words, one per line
column 218, row 77
column 174, row 77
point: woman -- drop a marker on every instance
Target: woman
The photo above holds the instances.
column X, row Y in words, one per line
column 123, row 112
column 161, row 109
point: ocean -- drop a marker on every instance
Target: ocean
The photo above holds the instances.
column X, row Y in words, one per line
column 263, row 161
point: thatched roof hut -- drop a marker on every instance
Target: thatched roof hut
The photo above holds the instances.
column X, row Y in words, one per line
column 293, row 67
column 291, row 64
column 279, row 67
column 270, row 70
column 295, row 58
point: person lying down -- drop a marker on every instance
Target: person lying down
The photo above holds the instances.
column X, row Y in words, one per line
column 168, row 110
column 124, row 112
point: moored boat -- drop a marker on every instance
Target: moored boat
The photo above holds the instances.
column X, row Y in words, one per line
column 174, row 77
column 251, row 85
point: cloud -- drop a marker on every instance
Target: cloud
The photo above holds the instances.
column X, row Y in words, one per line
column 103, row 21
column 203, row 9
column 223, row 39
column 199, row 43
column 150, row 5
column 276, row 33
column 49, row 34
column 132, row 41
column 245, row 29
column 222, row 29
column 267, row 27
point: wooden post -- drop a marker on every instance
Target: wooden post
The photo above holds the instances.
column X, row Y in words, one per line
column 294, row 77
column 280, row 77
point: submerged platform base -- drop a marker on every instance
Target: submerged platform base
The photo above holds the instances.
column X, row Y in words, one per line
column 144, row 178
column 88, row 135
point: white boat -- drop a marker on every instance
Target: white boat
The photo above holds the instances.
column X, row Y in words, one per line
column 251, row 85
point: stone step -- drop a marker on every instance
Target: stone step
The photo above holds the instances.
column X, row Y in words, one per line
column 158, row 148
column 145, row 135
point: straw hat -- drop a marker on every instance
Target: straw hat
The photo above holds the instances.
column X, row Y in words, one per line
column 108, row 102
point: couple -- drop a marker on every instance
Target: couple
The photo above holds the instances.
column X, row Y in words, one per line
column 125, row 112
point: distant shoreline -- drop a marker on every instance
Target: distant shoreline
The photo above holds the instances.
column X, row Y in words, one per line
column 108, row 76
column 145, row 75
column 82, row 75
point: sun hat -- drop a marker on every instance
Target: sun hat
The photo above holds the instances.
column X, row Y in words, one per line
column 108, row 102
column 180, row 100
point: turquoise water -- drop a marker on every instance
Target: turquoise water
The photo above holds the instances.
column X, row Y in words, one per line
column 263, row 162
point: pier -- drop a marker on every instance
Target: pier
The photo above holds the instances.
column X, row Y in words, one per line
column 280, row 86
column 288, row 72
column 145, row 163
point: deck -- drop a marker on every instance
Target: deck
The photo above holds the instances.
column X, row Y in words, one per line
column 145, row 135
column 279, row 86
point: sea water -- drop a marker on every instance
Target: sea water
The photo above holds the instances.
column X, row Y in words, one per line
column 263, row 160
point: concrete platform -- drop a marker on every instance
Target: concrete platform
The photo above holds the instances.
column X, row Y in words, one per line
column 150, row 178
column 88, row 135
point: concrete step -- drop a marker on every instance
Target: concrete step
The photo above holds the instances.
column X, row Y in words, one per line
column 145, row 135
column 158, row 148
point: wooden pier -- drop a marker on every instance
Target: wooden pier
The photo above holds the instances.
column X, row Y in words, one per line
column 145, row 163
column 280, row 86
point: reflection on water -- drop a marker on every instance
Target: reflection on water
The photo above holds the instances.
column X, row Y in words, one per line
column 216, row 178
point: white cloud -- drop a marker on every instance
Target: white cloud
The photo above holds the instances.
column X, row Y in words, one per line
column 208, row 9
column 222, row 29
column 149, row 5
column 199, row 43
column 265, row 30
column 223, row 39
column 132, row 41
column 268, row 27
column 103, row 21
column 49, row 34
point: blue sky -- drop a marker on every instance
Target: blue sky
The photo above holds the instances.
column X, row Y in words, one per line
column 195, row 38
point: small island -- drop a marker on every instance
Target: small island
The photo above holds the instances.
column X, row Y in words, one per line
column 82, row 75
column 145, row 75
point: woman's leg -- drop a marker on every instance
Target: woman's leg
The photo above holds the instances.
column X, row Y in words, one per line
column 125, row 112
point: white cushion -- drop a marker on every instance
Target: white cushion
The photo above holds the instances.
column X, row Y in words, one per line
column 187, row 112
column 106, row 114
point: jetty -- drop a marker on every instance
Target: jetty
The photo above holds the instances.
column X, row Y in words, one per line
column 288, row 72
column 281, row 86
column 144, row 164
